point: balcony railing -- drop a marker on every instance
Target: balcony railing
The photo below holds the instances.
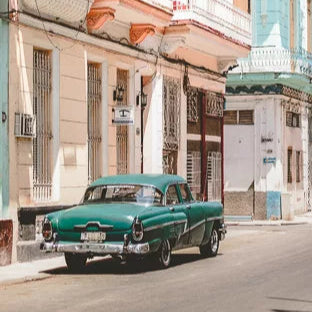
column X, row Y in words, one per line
column 73, row 11
column 217, row 14
column 163, row 4
column 271, row 59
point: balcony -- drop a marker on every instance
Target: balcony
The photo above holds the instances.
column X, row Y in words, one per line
column 219, row 16
column 272, row 59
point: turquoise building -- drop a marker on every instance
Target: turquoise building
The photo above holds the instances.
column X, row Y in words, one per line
column 5, row 222
column 268, row 116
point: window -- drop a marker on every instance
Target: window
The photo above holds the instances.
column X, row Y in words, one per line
column 140, row 194
column 172, row 196
column 214, row 180
column 192, row 105
column 94, row 121
column 42, row 143
column 185, row 193
column 171, row 116
column 238, row 117
column 289, row 166
column 122, row 130
column 193, row 172
column 298, row 166
column 292, row 120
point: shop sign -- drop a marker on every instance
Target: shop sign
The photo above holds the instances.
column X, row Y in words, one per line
column 123, row 115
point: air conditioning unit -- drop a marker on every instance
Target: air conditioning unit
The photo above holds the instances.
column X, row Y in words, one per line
column 25, row 125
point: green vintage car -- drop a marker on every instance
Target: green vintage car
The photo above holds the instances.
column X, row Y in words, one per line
column 134, row 215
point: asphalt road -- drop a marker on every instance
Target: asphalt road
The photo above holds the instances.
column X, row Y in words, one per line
column 257, row 269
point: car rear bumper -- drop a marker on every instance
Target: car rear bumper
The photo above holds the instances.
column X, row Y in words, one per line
column 222, row 231
column 114, row 248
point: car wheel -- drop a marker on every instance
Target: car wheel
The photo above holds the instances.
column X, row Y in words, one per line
column 211, row 248
column 164, row 254
column 75, row 262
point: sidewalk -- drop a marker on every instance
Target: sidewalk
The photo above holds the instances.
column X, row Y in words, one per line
column 29, row 271
column 302, row 219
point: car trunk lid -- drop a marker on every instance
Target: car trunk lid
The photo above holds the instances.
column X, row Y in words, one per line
column 116, row 217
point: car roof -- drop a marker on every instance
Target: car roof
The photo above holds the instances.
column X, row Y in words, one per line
column 160, row 181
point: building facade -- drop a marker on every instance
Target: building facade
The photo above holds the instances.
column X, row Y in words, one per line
column 111, row 87
column 268, row 116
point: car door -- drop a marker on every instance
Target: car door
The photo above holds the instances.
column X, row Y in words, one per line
column 176, row 206
column 196, row 215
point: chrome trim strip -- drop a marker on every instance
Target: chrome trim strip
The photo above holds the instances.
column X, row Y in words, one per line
column 94, row 223
column 214, row 218
column 96, row 248
column 154, row 227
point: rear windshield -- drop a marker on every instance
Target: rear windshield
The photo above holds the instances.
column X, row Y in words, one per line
column 140, row 194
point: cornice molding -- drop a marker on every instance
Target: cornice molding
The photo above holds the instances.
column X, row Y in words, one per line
column 271, row 89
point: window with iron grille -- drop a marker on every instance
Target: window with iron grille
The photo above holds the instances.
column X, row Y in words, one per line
column 239, row 117
column 214, row 104
column 214, row 181
column 171, row 115
column 192, row 105
column 122, row 130
column 289, row 165
column 292, row 119
column 94, row 121
column 193, row 172
column 42, row 143
column 298, row 166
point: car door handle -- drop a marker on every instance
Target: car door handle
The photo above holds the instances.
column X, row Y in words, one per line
column 188, row 207
column 171, row 209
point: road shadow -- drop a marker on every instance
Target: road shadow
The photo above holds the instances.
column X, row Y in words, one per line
column 139, row 266
column 291, row 300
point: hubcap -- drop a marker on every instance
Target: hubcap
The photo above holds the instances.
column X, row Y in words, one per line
column 214, row 241
column 165, row 252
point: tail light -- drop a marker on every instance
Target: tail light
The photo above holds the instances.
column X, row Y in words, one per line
column 137, row 230
column 47, row 229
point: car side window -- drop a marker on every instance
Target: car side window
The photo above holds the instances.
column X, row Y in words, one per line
column 185, row 193
column 172, row 195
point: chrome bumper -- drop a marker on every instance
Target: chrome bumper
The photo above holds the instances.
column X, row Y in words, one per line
column 222, row 231
column 96, row 248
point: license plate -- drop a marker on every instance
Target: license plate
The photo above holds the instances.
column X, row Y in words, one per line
column 93, row 236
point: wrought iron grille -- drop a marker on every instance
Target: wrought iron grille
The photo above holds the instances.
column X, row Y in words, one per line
column 122, row 131
column 42, row 159
column 94, row 121
column 171, row 116
column 193, row 172
column 192, row 105
column 169, row 162
column 214, row 104
column 214, row 181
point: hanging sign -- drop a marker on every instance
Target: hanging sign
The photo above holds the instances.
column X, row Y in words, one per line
column 123, row 115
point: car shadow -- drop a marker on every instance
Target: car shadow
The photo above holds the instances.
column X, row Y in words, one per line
column 118, row 267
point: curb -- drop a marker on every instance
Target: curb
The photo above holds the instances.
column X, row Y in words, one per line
column 272, row 223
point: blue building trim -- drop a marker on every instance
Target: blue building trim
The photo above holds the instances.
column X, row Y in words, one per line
column 4, row 86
